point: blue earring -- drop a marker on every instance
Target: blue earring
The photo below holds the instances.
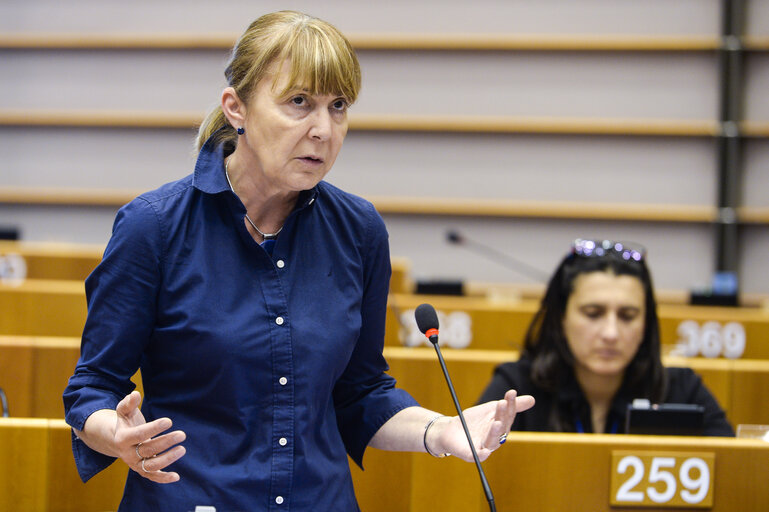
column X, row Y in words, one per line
column 241, row 131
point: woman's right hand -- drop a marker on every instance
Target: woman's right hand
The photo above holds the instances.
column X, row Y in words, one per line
column 124, row 433
column 137, row 444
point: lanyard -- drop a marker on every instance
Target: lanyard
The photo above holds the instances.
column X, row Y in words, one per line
column 581, row 428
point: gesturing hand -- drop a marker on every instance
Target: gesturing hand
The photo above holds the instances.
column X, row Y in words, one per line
column 137, row 445
column 486, row 422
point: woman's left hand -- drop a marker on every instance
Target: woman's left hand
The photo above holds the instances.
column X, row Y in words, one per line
column 487, row 423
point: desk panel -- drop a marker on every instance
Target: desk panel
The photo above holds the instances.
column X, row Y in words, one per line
column 532, row 471
column 539, row 471
column 34, row 372
column 23, row 464
column 54, row 260
column 43, row 308
column 501, row 324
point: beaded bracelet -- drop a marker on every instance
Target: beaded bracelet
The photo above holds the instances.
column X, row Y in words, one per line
column 424, row 439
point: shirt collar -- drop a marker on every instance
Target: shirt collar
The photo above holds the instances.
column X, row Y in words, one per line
column 307, row 198
column 209, row 169
column 209, row 173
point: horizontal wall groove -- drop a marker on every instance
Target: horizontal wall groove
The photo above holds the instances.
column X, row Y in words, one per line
column 383, row 41
column 393, row 122
column 401, row 205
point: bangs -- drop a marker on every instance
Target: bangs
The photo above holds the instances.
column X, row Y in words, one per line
column 322, row 62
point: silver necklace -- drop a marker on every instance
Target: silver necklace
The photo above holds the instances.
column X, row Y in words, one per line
column 266, row 236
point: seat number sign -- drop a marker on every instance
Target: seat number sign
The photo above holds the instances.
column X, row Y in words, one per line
column 662, row 479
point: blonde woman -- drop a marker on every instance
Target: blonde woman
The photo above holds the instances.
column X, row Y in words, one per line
column 252, row 294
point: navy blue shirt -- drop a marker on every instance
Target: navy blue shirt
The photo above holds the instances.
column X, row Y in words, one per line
column 272, row 364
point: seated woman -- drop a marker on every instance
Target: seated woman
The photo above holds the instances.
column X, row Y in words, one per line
column 594, row 346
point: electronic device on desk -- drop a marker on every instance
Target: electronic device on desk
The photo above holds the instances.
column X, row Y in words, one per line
column 723, row 291
column 9, row 233
column 664, row 419
column 439, row 287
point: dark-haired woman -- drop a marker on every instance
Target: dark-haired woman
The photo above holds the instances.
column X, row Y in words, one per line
column 593, row 347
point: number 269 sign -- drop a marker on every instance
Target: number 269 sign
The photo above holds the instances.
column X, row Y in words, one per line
column 662, row 479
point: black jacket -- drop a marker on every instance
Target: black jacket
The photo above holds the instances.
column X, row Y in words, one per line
column 683, row 387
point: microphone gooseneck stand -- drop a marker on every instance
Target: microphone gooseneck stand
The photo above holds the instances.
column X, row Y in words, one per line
column 520, row 267
column 427, row 321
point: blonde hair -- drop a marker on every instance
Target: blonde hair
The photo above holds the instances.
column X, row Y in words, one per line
column 322, row 61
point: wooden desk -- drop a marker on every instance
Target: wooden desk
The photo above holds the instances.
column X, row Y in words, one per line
column 400, row 281
column 34, row 372
column 740, row 386
column 58, row 308
column 55, row 260
column 73, row 261
column 40, row 307
column 540, row 471
column 533, row 471
column 37, row 471
column 501, row 324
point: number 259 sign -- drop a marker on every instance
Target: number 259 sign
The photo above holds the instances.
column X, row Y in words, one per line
column 662, row 479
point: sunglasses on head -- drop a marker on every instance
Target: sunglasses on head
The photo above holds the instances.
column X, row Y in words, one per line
column 597, row 248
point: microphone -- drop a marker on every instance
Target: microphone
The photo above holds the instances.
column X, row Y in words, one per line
column 427, row 321
column 514, row 264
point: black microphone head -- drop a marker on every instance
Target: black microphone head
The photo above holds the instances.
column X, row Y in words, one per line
column 426, row 317
column 454, row 237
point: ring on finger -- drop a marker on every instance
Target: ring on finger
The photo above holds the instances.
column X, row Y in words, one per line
column 137, row 450
column 503, row 438
column 143, row 468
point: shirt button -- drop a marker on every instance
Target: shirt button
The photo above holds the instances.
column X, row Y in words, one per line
column 283, row 441
column 283, row 381
column 279, row 320
column 281, row 263
column 279, row 500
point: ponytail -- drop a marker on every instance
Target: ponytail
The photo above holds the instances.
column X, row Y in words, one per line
column 213, row 124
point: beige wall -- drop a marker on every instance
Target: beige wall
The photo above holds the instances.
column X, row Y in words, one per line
column 633, row 169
